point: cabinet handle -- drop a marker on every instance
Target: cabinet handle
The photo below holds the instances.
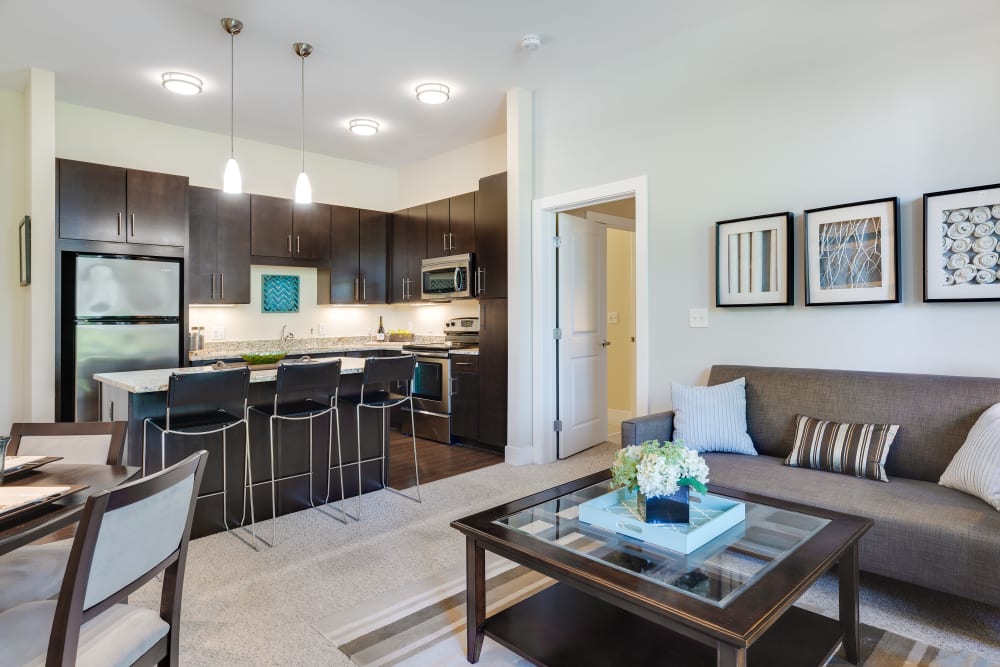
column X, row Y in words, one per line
column 222, row 285
column 298, row 243
column 482, row 286
column 356, row 289
column 289, row 243
column 453, row 390
column 133, row 225
column 213, row 286
column 451, row 241
column 444, row 241
column 119, row 223
column 404, row 288
column 364, row 290
column 463, row 363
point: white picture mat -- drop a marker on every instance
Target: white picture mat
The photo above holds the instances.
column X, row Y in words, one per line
column 887, row 291
column 775, row 224
column 934, row 272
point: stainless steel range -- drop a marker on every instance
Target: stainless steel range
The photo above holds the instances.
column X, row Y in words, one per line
column 432, row 382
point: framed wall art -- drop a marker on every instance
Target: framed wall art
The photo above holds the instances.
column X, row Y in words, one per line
column 279, row 293
column 753, row 261
column 852, row 253
column 961, row 233
column 24, row 252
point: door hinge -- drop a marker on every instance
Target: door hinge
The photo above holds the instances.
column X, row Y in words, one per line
column 556, row 241
column 557, row 426
column 557, row 333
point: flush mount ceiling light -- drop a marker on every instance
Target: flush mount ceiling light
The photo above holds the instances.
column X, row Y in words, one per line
column 364, row 126
column 303, row 189
column 433, row 93
column 232, row 181
column 181, row 83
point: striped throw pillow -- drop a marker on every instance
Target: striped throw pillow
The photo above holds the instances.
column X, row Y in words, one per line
column 975, row 468
column 712, row 419
column 849, row 449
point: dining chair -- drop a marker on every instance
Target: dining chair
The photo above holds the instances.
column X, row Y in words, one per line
column 382, row 380
column 297, row 386
column 35, row 571
column 127, row 536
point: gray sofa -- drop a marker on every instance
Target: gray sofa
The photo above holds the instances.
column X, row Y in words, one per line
column 924, row 533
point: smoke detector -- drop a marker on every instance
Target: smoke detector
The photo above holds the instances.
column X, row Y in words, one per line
column 531, row 42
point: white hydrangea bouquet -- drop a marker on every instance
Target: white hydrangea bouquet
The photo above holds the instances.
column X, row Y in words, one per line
column 658, row 469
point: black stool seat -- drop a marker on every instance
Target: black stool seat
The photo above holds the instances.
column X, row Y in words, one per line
column 375, row 399
column 202, row 420
column 301, row 408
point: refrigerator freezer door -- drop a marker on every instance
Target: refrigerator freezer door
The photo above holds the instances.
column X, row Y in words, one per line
column 109, row 348
column 114, row 287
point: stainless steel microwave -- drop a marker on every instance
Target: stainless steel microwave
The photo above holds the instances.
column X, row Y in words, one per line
column 446, row 278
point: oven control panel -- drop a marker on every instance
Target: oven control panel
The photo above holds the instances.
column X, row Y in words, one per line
column 457, row 324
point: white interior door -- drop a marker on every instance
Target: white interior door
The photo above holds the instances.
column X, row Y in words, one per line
column 583, row 364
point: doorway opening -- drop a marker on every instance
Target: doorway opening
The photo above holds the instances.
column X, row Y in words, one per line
column 590, row 374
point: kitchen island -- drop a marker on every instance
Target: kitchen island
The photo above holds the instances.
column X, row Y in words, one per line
column 134, row 396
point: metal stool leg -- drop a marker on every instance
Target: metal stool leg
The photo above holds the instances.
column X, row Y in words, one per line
column 336, row 417
column 274, row 502
column 225, row 486
column 312, row 501
column 248, row 485
column 357, row 412
column 145, row 427
column 416, row 466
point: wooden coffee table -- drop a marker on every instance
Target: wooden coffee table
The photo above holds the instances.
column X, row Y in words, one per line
column 618, row 600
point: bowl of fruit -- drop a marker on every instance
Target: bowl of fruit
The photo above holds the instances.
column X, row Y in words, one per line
column 263, row 358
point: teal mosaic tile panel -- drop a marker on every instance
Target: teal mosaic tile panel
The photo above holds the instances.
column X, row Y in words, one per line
column 279, row 294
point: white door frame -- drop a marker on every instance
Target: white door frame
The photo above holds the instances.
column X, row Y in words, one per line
column 543, row 299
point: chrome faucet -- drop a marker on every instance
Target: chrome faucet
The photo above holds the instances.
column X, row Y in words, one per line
column 285, row 338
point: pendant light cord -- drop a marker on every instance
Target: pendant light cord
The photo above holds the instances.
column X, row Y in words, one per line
column 232, row 95
column 303, row 113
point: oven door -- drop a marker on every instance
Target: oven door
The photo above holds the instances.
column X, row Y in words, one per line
column 432, row 384
column 445, row 278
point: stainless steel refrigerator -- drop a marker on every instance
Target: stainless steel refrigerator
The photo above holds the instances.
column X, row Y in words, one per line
column 126, row 318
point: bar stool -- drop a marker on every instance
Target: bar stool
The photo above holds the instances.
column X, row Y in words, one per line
column 297, row 384
column 214, row 387
column 380, row 376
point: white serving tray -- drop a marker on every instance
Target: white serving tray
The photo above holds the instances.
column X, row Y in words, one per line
column 710, row 517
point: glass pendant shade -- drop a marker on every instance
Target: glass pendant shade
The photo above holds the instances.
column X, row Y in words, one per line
column 303, row 190
column 232, row 182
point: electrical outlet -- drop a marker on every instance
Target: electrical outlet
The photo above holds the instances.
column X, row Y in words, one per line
column 698, row 317
column 321, row 329
column 613, row 318
column 217, row 333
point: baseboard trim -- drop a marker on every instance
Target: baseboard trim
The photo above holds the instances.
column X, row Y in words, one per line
column 518, row 456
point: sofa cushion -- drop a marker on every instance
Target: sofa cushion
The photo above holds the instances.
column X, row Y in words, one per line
column 924, row 533
column 712, row 419
column 850, row 449
column 976, row 467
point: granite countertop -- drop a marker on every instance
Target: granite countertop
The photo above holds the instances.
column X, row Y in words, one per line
column 145, row 382
column 233, row 349
column 467, row 350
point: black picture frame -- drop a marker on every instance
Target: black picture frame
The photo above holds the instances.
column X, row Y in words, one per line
column 24, row 253
column 834, row 255
column 961, row 244
column 740, row 281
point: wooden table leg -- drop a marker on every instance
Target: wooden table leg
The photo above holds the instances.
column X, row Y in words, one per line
column 475, row 597
column 847, row 569
column 730, row 656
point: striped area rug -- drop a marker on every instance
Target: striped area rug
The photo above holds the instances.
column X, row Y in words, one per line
column 424, row 624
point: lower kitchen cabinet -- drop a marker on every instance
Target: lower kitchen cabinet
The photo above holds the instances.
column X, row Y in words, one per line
column 465, row 402
column 492, row 408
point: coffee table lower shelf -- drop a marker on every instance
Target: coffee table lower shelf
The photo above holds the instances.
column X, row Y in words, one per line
column 562, row 626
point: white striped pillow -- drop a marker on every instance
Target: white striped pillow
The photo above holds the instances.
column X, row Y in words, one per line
column 849, row 449
column 712, row 419
column 975, row 468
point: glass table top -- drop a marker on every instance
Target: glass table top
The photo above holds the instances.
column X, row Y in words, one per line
column 716, row 573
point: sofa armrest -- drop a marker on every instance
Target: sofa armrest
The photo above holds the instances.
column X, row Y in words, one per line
column 659, row 426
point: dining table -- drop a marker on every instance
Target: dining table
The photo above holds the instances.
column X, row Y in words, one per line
column 27, row 526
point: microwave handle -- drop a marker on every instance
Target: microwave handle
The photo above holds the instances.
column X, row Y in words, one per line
column 458, row 277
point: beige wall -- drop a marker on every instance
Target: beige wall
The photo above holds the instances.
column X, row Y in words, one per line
column 451, row 173
column 13, row 305
column 621, row 300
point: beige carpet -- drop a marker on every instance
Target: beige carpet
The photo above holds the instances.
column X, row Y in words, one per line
column 263, row 608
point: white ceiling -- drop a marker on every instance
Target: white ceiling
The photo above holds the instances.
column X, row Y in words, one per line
column 368, row 56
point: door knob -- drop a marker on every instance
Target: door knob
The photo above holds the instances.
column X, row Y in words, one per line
column 605, row 343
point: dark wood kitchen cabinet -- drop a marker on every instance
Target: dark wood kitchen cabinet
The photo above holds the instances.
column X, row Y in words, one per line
column 283, row 229
column 492, row 409
column 465, row 402
column 451, row 226
column 358, row 269
column 98, row 202
column 218, row 260
column 491, row 237
column 409, row 249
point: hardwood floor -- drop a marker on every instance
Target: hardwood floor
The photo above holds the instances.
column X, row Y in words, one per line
column 436, row 460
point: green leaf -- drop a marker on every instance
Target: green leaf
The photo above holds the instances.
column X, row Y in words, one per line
column 693, row 483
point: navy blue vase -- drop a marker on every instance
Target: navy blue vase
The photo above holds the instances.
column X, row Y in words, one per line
column 675, row 508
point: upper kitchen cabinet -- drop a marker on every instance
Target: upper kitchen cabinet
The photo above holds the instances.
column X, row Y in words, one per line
column 218, row 263
column 451, row 226
column 409, row 249
column 491, row 237
column 358, row 270
column 281, row 228
column 400, row 257
column 103, row 203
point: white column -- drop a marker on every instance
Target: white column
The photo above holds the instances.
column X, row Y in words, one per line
column 520, row 191
column 40, row 187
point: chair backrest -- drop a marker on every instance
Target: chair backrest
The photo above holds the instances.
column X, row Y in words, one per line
column 385, row 370
column 300, row 377
column 213, row 387
column 75, row 442
column 127, row 536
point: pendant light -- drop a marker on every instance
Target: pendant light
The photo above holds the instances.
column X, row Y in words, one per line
column 232, row 181
column 303, row 190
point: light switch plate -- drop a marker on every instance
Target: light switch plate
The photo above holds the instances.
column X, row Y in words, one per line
column 698, row 317
column 216, row 333
column 613, row 318
column 321, row 329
